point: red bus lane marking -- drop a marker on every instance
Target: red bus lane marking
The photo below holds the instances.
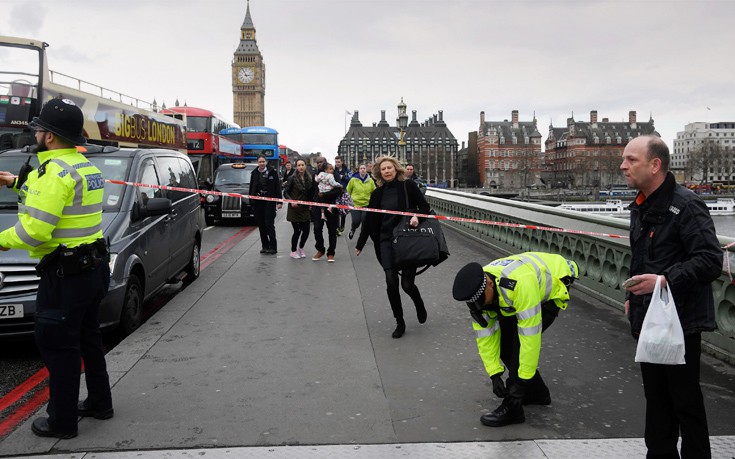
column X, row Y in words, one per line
column 22, row 389
column 24, row 411
column 27, row 408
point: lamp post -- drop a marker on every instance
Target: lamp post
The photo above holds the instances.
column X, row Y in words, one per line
column 402, row 123
column 364, row 150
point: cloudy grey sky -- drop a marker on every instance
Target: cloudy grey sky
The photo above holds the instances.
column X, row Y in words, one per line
column 672, row 59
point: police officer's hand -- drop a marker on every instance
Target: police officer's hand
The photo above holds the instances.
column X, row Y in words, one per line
column 499, row 388
column 6, row 178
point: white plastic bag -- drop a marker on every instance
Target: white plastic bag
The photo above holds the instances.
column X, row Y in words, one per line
column 661, row 339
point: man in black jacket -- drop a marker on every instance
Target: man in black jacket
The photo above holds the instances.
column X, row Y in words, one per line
column 671, row 235
column 264, row 181
column 331, row 219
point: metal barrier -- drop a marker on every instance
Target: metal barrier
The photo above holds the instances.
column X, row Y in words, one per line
column 603, row 262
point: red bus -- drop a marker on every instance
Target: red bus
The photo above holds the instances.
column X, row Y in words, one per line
column 207, row 149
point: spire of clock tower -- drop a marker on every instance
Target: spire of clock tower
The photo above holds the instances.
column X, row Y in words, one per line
column 248, row 77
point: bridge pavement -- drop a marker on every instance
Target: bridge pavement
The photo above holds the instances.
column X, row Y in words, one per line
column 264, row 354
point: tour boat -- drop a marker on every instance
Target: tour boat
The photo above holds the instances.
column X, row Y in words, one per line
column 616, row 207
column 723, row 206
column 611, row 207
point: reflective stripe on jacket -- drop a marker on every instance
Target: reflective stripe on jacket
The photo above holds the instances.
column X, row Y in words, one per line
column 523, row 283
column 62, row 206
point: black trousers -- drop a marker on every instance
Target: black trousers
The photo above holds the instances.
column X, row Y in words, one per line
column 510, row 346
column 674, row 403
column 407, row 281
column 67, row 331
column 332, row 223
column 300, row 229
column 357, row 217
column 265, row 217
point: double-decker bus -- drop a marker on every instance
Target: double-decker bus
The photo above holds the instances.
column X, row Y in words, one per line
column 255, row 141
column 206, row 147
column 110, row 118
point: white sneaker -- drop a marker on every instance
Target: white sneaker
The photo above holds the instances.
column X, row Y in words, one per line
column 294, row 255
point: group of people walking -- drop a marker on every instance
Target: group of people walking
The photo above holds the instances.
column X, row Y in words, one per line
column 387, row 186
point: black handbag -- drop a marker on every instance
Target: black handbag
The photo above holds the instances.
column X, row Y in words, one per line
column 419, row 247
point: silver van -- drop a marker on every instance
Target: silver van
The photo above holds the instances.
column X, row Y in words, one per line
column 155, row 236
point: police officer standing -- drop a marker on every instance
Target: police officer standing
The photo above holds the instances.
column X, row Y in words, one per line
column 59, row 221
column 512, row 301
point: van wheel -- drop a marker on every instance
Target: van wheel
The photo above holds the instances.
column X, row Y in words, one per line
column 132, row 311
column 209, row 220
column 193, row 268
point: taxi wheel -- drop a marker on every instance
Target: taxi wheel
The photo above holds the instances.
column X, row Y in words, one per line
column 193, row 268
column 132, row 311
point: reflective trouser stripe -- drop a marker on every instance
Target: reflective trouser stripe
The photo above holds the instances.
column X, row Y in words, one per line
column 530, row 331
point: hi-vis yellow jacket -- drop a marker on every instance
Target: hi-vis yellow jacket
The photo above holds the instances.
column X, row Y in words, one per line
column 523, row 283
column 61, row 203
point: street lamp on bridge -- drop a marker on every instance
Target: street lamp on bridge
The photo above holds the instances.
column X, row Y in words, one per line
column 402, row 121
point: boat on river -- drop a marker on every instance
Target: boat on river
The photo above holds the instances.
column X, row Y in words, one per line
column 617, row 208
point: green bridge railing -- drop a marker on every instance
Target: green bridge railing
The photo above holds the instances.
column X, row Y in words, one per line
column 603, row 261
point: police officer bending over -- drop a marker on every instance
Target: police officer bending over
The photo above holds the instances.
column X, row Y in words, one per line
column 512, row 301
column 59, row 221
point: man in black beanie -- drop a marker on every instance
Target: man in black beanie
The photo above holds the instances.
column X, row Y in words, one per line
column 512, row 301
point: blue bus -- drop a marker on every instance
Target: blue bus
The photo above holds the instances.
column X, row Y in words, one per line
column 255, row 141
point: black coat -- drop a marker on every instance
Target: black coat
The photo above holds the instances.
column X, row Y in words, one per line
column 672, row 233
column 273, row 185
column 373, row 222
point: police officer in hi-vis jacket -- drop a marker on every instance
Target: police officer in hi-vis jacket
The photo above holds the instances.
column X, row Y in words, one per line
column 59, row 222
column 512, row 301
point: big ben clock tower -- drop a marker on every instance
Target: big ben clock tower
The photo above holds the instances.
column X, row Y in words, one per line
column 248, row 78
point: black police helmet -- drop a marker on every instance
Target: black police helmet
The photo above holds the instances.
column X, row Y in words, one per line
column 63, row 118
column 469, row 286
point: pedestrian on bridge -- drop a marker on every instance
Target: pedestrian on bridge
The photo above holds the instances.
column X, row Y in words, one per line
column 360, row 187
column 298, row 187
column 512, row 301
column 331, row 219
column 60, row 222
column 671, row 235
column 265, row 182
column 393, row 193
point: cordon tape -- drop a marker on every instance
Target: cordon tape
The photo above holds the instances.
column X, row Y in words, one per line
column 368, row 209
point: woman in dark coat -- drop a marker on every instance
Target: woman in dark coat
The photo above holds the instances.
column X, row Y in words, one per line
column 393, row 193
column 298, row 187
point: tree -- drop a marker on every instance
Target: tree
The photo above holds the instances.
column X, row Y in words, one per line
column 709, row 157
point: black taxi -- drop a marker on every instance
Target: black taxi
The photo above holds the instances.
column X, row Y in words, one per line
column 230, row 178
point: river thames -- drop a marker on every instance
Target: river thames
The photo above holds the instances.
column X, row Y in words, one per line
column 725, row 225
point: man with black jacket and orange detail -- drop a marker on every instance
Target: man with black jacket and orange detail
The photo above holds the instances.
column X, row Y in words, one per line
column 671, row 235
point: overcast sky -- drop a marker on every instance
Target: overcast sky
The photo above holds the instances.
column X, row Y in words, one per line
column 672, row 59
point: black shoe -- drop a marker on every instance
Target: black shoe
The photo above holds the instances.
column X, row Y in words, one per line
column 83, row 410
column 507, row 413
column 352, row 234
column 263, row 250
column 421, row 312
column 41, row 428
column 400, row 328
column 271, row 251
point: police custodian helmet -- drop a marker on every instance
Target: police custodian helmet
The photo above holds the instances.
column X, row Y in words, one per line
column 469, row 286
column 63, row 118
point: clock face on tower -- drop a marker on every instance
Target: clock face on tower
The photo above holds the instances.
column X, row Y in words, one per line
column 246, row 74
